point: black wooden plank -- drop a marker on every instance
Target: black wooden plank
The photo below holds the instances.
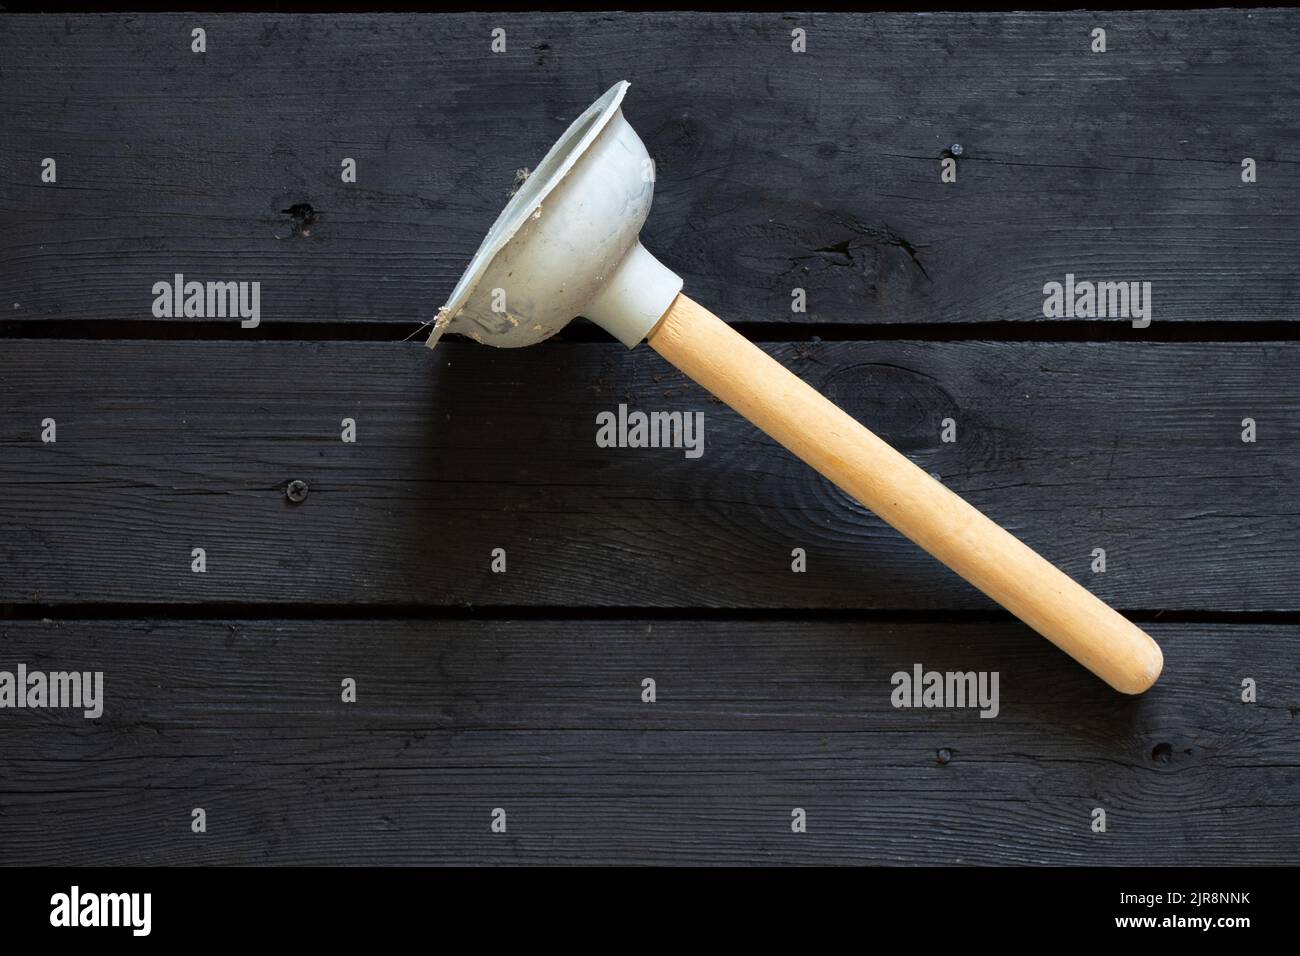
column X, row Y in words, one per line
column 776, row 170
column 545, row 719
column 167, row 446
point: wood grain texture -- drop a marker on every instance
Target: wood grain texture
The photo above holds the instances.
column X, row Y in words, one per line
column 776, row 170
column 167, row 446
column 545, row 719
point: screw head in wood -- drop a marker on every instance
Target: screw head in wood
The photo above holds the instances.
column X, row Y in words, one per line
column 296, row 491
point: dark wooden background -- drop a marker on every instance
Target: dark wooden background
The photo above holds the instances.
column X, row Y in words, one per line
column 523, row 690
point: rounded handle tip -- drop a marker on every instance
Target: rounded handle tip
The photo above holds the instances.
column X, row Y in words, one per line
column 1145, row 672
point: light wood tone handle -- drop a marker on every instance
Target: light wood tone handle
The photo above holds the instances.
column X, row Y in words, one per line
column 795, row 414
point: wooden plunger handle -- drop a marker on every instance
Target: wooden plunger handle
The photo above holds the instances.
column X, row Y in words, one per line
column 789, row 410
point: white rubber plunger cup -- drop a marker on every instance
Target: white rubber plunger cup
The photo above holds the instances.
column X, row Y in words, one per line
column 567, row 244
